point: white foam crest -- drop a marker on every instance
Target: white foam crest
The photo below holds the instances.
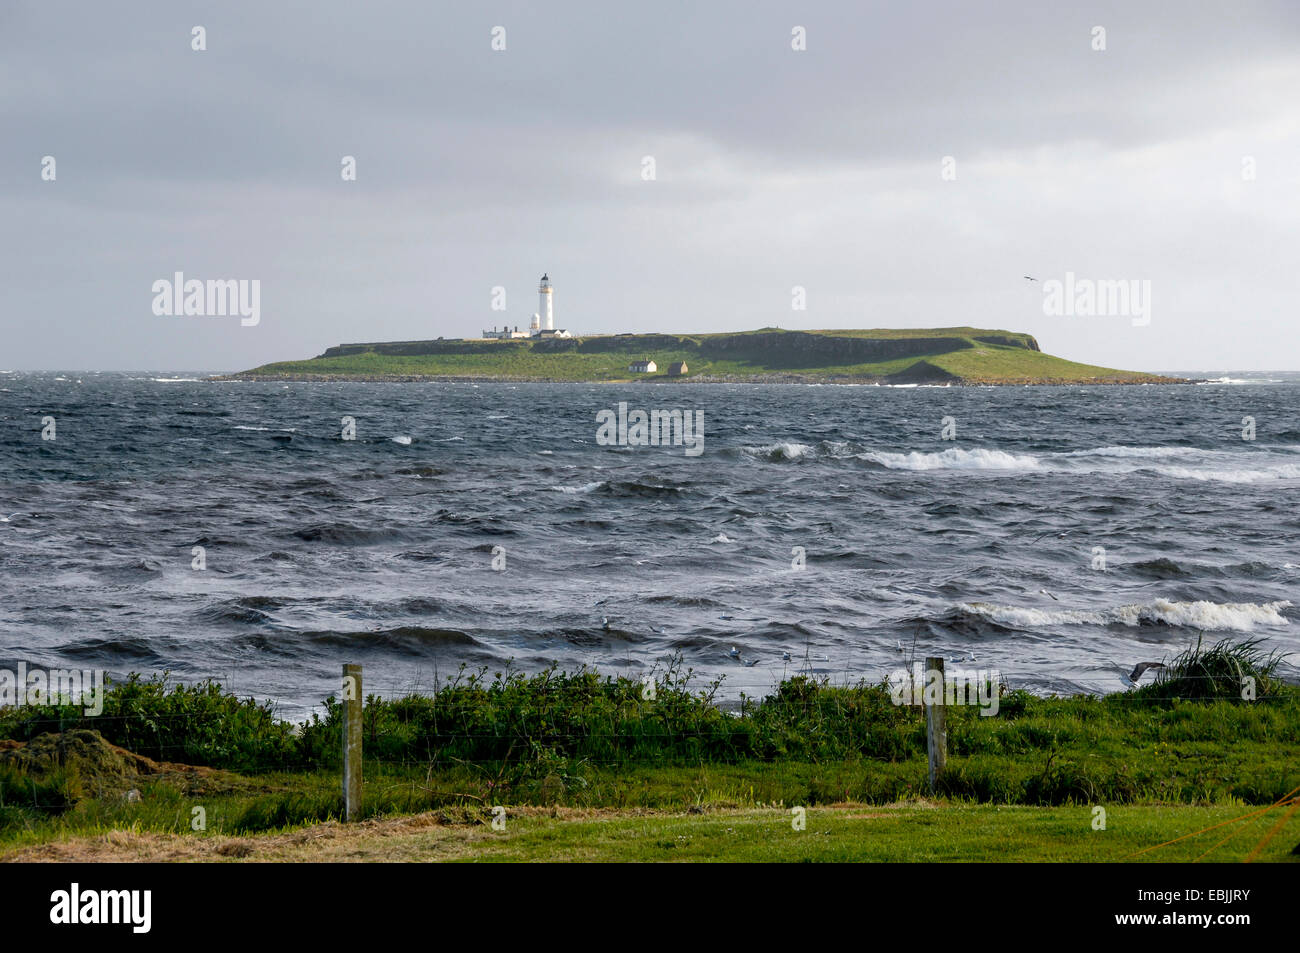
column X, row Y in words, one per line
column 1233, row 616
column 781, row 451
column 585, row 488
column 954, row 459
column 1286, row 471
column 1139, row 452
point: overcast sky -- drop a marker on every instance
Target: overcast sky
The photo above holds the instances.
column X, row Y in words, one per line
column 775, row 168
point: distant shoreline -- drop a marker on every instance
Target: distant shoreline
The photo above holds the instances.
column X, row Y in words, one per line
column 694, row 379
column 925, row 356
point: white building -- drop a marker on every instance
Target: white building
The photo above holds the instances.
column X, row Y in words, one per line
column 505, row 334
column 543, row 324
column 643, row 367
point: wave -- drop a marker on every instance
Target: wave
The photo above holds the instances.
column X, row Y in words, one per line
column 1230, row 616
column 347, row 534
column 1285, row 471
column 1122, row 452
column 778, row 452
column 1180, row 463
column 1238, row 381
column 407, row 639
column 954, row 459
column 139, row 570
column 244, row 611
column 585, row 488
column 636, row 488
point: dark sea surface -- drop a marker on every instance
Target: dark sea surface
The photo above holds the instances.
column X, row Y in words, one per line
column 379, row 550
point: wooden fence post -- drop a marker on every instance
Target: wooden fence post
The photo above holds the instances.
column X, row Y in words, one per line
column 351, row 742
column 936, row 725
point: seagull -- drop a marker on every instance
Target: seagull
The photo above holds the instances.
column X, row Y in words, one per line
column 735, row 652
column 1141, row 667
column 1131, row 679
column 900, row 645
column 604, row 622
column 1044, row 535
column 1027, row 278
column 785, row 656
column 749, row 663
column 1046, row 593
column 6, row 519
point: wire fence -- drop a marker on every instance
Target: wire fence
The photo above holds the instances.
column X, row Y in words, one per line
column 418, row 748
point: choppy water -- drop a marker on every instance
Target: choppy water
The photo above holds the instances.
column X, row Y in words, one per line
column 380, row 550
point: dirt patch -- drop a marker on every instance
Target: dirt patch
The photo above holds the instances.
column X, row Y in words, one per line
column 420, row 837
column 101, row 767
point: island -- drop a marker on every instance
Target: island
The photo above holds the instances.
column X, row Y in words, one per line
column 955, row 356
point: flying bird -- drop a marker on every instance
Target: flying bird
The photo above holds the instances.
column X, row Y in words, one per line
column 1140, row 669
column 1027, row 278
column 1046, row 593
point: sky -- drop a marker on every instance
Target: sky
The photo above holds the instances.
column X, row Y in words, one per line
column 907, row 168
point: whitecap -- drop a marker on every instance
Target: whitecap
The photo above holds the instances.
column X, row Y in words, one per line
column 780, row 451
column 585, row 488
column 954, row 459
column 1234, row 616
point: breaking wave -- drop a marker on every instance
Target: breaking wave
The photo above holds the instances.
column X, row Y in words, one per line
column 1227, row 616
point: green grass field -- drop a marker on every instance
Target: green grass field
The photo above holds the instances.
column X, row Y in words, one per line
column 905, row 833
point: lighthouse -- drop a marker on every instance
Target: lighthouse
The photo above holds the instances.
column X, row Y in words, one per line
column 544, row 304
column 543, row 323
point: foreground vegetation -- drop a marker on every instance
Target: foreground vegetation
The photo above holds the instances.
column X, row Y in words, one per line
column 939, row 355
column 911, row 832
column 585, row 743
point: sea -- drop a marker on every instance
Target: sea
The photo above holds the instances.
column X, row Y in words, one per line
column 263, row 534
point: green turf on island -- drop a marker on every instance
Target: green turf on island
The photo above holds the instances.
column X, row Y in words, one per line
column 909, row 356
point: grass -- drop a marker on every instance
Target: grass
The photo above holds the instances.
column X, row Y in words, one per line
column 1222, row 670
column 599, row 746
column 897, row 833
column 935, row 354
column 913, row 832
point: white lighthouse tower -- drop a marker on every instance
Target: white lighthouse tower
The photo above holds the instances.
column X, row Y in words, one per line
column 544, row 304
